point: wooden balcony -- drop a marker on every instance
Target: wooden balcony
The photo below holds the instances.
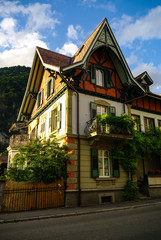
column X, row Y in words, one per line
column 105, row 135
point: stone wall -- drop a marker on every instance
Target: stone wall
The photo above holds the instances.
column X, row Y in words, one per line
column 17, row 140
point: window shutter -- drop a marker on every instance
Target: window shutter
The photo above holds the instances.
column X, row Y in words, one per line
column 112, row 110
column 116, row 169
column 93, row 74
column 107, row 79
column 93, row 109
column 37, row 101
column 50, row 122
column 42, row 96
column 51, row 86
column 59, row 116
column 46, row 91
column 54, row 84
column 94, row 163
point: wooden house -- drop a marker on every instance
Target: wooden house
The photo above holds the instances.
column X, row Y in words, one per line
column 64, row 94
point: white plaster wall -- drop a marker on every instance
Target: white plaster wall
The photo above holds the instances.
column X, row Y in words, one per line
column 84, row 110
column 61, row 131
column 142, row 114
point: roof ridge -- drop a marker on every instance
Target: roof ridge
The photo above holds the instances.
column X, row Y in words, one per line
column 92, row 36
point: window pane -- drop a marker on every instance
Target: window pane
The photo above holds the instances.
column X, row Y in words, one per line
column 149, row 123
column 104, row 163
column 159, row 124
column 101, row 110
column 99, row 77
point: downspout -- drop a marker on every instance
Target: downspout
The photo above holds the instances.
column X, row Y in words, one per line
column 78, row 136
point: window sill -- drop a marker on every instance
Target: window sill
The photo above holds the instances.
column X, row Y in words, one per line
column 105, row 179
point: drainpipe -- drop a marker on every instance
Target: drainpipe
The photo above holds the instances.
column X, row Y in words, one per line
column 78, row 136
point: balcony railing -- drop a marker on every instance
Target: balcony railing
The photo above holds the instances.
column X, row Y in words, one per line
column 94, row 126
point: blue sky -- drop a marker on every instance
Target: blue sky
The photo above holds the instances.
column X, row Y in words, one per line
column 63, row 25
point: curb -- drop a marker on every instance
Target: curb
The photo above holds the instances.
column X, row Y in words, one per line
column 78, row 213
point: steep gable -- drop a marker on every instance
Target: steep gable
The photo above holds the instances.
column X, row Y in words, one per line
column 103, row 37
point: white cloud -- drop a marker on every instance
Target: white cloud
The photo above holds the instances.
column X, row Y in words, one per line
column 132, row 59
column 154, row 72
column 109, row 6
column 147, row 27
column 74, row 32
column 40, row 16
column 68, row 49
column 17, row 43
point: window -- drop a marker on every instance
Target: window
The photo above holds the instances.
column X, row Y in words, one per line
column 101, row 165
column 55, row 118
column 42, row 127
column 136, row 118
column 49, row 88
column 100, row 76
column 159, row 124
column 100, row 109
column 148, row 123
column 40, row 98
column 112, row 111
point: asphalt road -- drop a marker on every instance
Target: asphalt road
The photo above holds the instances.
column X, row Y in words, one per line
column 138, row 223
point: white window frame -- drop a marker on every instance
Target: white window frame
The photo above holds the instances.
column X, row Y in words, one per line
column 43, row 127
column 101, row 159
column 56, row 118
column 99, row 77
column 147, row 123
column 102, row 108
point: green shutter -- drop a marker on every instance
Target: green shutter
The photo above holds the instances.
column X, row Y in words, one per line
column 93, row 109
column 112, row 110
column 116, row 169
column 94, row 163
column 107, row 79
column 93, row 74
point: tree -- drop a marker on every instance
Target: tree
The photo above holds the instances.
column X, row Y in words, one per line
column 40, row 161
column 13, row 82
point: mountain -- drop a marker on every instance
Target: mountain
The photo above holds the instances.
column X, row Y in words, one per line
column 13, row 82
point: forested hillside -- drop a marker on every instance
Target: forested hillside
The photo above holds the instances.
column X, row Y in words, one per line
column 13, row 82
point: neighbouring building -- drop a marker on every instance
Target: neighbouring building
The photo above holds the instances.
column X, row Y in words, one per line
column 64, row 94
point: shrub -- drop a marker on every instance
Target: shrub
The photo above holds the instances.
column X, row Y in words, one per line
column 40, row 161
column 130, row 191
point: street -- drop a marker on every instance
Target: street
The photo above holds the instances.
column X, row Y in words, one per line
column 137, row 223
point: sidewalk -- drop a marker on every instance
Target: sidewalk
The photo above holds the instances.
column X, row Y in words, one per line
column 64, row 212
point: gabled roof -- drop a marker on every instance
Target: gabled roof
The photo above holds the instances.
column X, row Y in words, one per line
column 103, row 37
column 144, row 77
column 43, row 58
column 52, row 58
column 79, row 55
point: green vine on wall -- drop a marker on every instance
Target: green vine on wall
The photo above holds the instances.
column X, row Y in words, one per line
column 142, row 144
